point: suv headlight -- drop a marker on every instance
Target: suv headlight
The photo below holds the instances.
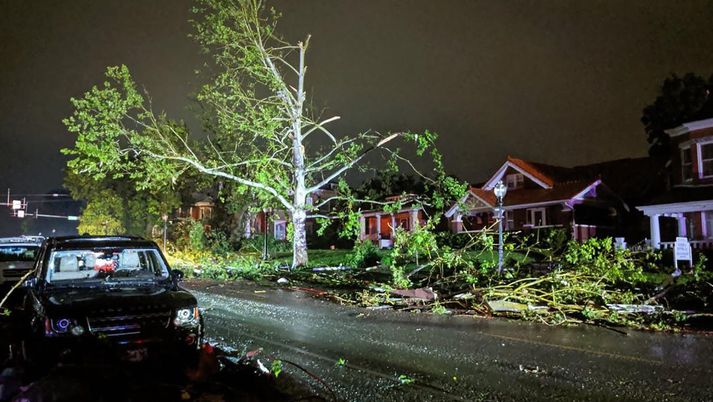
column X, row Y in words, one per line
column 63, row 326
column 186, row 317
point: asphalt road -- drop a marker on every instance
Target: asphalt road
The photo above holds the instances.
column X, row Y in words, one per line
column 453, row 358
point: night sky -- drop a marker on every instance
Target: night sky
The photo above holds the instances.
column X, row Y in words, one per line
column 560, row 82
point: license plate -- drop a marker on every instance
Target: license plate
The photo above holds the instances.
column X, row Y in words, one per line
column 136, row 355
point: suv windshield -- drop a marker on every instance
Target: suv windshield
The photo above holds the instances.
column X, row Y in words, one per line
column 105, row 264
column 18, row 253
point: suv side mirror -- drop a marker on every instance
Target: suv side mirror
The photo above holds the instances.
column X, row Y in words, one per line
column 30, row 283
column 176, row 276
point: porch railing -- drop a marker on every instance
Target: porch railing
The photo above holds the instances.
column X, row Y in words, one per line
column 695, row 244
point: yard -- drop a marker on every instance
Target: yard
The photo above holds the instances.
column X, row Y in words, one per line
column 558, row 284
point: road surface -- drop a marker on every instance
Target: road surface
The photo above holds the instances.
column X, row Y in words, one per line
column 453, row 358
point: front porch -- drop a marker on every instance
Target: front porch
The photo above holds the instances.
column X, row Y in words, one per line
column 379, row 226
column 693, row 220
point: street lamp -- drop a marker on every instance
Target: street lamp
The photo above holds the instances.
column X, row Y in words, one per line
column 500, row 190
column 164, row 217
column 267, row 212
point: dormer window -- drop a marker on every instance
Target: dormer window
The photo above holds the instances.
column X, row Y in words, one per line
column 516, row 180
column 706, row 155
column 686, row 164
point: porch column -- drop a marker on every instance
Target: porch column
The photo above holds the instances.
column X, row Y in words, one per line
column 681, row 225
column 378, row 226
column 393, row 225
column 458, row 223
column 655, row 231
column 362, row 227
column 414, row 219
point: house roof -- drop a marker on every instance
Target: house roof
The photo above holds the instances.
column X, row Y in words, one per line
column 683, row 194
column 632, row 179
column 540, row 171
column 524, row 196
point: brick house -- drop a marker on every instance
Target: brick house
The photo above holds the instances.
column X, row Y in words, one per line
column 378, row 225
column 276, row 220
column 541, row 196
column 686, row 208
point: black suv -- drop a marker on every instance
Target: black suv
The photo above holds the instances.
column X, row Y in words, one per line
column 96, row 295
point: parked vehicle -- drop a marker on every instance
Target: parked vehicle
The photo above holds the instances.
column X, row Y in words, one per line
column 108, row 297
column 17, row 257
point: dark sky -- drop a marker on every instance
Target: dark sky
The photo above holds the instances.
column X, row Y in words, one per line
column 560, row 82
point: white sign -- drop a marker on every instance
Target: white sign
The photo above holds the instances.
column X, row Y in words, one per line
column 20, row 214
column 16, row 204
column 681, row 252
column 682, row 249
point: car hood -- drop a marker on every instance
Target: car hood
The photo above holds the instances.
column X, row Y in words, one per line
column 125, row 298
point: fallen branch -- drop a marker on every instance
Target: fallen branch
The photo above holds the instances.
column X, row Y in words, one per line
column 17, row 285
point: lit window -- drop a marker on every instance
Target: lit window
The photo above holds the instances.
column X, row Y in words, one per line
column 707, row 159
column 686, row 164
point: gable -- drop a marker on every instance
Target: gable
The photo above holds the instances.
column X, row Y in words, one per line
column 513, row 165
column 473, row 199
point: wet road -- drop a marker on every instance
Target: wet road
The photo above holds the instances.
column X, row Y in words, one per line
column 454, row 358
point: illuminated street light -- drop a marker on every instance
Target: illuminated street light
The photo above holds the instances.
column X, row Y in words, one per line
column 500, row 190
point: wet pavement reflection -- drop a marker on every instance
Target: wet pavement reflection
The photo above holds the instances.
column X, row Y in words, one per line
column 365, row 355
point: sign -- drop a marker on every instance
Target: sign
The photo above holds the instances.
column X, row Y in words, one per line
column 20, row 214
column 16, row 204
column 682, row 249
column 681, row 252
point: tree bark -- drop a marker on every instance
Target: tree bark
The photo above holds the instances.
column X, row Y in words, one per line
column 299, row 241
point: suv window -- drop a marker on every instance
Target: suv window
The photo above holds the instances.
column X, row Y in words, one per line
column 105, row 264
column 18, row 253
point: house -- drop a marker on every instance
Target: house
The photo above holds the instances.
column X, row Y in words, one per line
column 200, row 210
column 378, row 225
column 541, row 196
column 686, row 209
column 275, row 220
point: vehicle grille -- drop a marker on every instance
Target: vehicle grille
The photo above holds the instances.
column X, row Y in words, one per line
column 125, row 322
column 15, row 273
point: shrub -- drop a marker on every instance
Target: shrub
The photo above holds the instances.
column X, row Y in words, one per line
column 256, row 243
column 219, row 243
column 364, row 254
column 196, row 236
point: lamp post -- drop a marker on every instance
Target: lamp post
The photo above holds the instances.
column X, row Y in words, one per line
column 267, row 212
column 500, row 191
column 165, row 230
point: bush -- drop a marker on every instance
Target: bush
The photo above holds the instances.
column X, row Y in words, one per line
column 364, row 254
column 256, row 243
column 219, row 243
column 196, row 236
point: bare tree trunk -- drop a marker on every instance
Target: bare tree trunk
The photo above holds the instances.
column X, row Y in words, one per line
column 299, row 241
column 299, row 215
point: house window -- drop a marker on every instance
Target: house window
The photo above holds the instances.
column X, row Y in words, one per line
column 509, row 220
column 514, row 181
column 708, row 232
column 280, row 230
column 686, row 164
column 706, row 155
column 537, row 217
